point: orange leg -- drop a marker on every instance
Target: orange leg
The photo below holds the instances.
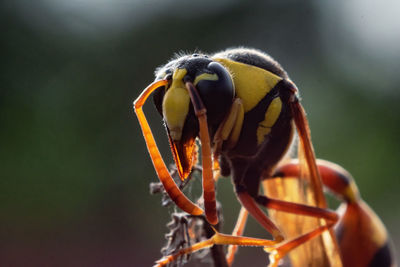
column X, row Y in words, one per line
column 210, row 204
column 250, row 205
column 217, row 239
column 319, row 212
column 162, row 172
column 280, row 251
column 286, row 245
column 338, row 180
column 296, row 208
column 277, row 248
column 237, row 231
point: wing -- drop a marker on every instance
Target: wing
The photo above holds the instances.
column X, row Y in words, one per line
column 306, row 189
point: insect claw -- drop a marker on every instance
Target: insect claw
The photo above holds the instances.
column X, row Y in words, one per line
column 274, row 258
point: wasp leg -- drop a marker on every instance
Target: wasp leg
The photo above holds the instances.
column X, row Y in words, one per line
column 250, row 205
column 249, row 202
column 361, row 233
column 210, row 204
column 297, row 208
column 279, row 252
column 285, row 247
column 237, row 231
column 331, row 218
column 162, row 172
column 230, row 128
column 218, row 239
column 340, row 183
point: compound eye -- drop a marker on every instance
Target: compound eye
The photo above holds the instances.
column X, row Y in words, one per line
column 216, row 83
column 216, row 90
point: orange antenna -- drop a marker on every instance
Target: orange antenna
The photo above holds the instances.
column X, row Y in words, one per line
column 162, row 172
column 210, row 205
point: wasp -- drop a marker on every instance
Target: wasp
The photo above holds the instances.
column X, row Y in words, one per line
column 245, row 111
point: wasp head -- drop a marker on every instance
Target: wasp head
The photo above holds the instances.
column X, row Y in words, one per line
column 216, row 90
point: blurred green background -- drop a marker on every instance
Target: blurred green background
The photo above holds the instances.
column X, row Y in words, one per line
column 73, row 164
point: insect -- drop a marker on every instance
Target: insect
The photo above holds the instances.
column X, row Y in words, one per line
column 244, row 109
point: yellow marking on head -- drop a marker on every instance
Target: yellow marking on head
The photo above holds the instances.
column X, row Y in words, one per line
column 176, row 104
column 251, row 83
column 205, row 76
column 270, row 118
